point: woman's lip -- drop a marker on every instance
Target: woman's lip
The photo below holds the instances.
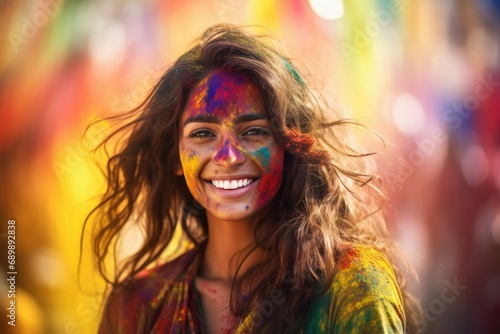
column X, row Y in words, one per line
column 232, row 193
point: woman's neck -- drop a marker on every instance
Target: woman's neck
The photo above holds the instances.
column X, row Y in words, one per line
column 223, row 252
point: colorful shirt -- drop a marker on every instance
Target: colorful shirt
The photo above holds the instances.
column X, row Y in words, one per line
column 364, row 298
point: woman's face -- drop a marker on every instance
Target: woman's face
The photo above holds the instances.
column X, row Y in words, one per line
column 232, row 165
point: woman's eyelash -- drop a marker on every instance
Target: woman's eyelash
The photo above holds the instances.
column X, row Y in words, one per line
column 257, row 131
column 202, row 133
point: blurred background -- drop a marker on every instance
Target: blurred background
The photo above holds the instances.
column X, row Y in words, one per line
column 425, row 74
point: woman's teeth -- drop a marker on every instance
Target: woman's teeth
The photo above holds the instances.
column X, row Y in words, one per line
column 233, row 184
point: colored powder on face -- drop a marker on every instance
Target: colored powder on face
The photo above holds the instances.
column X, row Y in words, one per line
column 214, row 85
column 224, row 152
column 189, row 162
column 270, row 183
column 197, row 100
column 224, row 96
column 219, row 93
column 192, row 155
column 229, row 152
column 263, row 155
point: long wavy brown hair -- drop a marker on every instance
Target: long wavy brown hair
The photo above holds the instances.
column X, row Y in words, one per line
column 329, row 198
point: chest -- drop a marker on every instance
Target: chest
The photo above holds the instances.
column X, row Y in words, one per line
column 213, row 300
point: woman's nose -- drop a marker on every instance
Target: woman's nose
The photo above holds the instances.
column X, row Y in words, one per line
column 229, row 154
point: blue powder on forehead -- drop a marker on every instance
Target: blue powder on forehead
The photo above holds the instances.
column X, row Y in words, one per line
column 216, row 83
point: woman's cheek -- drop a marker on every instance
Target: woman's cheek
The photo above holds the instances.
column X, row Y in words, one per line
column 270, row 158
column 263, row 157
column 271, row 162
column 190, row 163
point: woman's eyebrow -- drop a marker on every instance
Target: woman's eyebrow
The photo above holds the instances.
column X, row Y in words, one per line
column 249, row 118
column 216, row 120
column 202, row 119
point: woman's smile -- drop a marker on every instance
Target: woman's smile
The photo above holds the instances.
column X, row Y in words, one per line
column 232, row 184
column 232, row 165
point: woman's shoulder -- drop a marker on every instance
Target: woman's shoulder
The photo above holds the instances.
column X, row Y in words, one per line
column 364, row 266
column 144, row 293
column 150, row 280
column 366, row 292
column 364, row 296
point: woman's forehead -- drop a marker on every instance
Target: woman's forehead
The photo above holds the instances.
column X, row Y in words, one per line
column 222, row 93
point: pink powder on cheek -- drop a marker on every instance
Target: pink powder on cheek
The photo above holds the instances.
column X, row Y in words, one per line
column 271, row 180
column 268, row 186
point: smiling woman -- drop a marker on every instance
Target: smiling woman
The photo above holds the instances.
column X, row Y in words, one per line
column 232, row 165
column 290, row 237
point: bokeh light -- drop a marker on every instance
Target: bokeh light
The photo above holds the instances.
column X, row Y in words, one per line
column 408, row 114
column 328, row 9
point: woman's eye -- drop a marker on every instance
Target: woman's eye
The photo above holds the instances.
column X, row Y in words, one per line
column 201, row 134
column 257, row 132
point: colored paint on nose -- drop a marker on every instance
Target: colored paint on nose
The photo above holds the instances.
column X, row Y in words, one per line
column 228, row 153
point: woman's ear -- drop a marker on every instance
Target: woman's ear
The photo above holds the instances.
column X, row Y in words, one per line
column 178, row 169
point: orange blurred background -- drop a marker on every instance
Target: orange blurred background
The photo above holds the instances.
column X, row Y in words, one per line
column 425, row 74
